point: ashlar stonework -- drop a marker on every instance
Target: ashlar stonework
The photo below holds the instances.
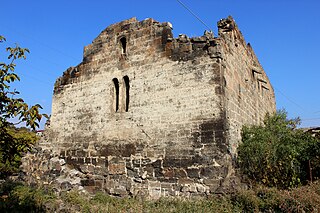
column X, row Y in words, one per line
column 148, row 114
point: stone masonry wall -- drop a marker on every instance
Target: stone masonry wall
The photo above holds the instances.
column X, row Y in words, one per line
column 152, row 115
column 249, row 93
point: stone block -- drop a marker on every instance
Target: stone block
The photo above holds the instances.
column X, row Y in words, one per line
column 185, row 181
column 117, row 168
column 158, row 172
column 213, row 184
column 171, row 162
column 156, row 164
column 193, row 172
column 169, row 173
column 154, row 184
column 100, row 171
column 87, row 182
column 132, row 172
column 92, row 189
column 99, row 183
column 80, row 153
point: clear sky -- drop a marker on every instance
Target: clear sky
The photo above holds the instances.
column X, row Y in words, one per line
column 285, row 35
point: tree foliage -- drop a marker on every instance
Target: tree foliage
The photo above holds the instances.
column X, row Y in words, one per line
column 277, row 153
column 19, row 141
column 13, row 142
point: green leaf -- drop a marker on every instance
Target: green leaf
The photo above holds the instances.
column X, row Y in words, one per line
column 12, row 144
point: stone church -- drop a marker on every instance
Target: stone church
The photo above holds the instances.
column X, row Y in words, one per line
column 148, row 114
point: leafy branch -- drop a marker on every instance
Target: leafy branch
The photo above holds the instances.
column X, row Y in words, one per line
column 13, row 141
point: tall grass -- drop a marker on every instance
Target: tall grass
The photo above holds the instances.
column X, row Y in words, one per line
column 15, row 197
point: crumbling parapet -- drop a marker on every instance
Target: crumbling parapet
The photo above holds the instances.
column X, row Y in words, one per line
column 181, row 48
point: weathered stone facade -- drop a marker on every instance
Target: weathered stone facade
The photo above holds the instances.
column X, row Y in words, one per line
column 148, row 114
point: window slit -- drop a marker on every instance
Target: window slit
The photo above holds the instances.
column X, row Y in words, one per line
column 127, row 88
column 123, row 41
column 116, row 93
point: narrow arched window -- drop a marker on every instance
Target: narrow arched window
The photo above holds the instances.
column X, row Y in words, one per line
column 127, row 90
column 123, row 42
column 116, row 94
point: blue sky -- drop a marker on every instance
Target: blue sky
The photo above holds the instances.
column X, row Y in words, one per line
column 285, row 35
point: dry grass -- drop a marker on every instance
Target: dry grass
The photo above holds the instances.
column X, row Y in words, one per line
column 17, row 197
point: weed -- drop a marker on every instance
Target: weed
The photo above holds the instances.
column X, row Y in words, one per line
column 16, row 197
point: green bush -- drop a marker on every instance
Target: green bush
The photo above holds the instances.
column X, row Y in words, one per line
column 16, row 197
column 302, row 199
column 266, row 199
column 277, row 153
column 21, row 140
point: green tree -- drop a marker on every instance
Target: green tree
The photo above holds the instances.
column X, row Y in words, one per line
column 19, row 141
column 277, row 153
column 13, row 142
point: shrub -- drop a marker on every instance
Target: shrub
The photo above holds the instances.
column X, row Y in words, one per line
column 276, row 153
column 302, row 199
column 21, row 140
column 16, row 197
column 266, row 199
